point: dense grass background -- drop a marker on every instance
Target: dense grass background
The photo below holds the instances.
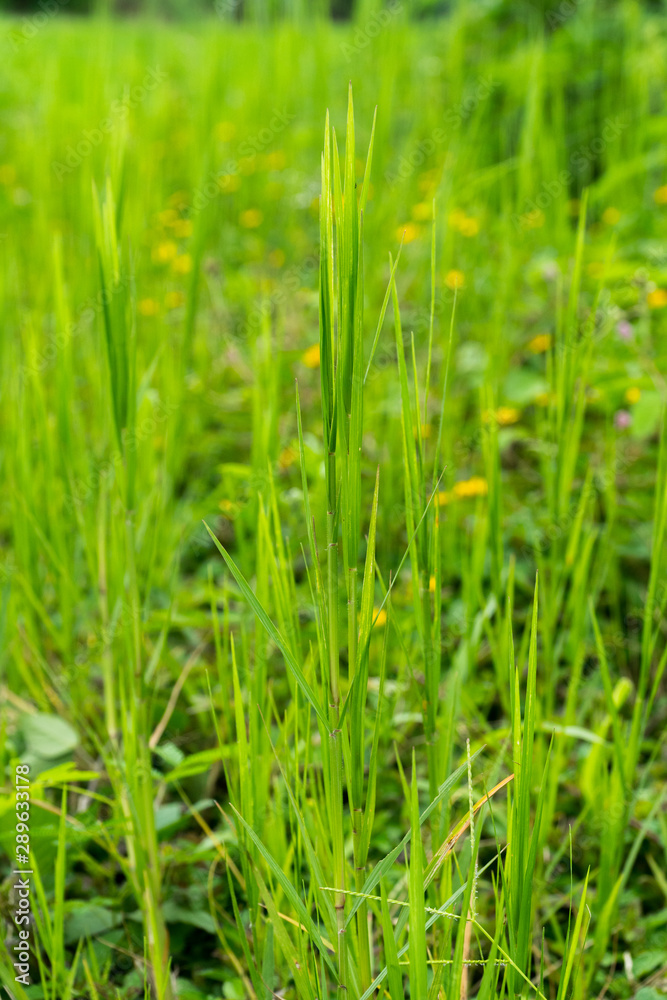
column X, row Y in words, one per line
column 179, row 170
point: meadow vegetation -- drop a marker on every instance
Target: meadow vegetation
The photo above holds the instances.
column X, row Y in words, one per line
column 334, row 504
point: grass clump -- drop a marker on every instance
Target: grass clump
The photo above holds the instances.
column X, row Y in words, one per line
column 391, row 726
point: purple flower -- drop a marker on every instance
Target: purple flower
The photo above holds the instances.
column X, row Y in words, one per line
column 622, row 419
column 624, row 330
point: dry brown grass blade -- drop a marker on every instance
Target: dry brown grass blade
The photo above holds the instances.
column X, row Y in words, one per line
column 460, row 829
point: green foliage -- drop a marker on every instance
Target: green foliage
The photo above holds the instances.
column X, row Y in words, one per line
column 393, row 725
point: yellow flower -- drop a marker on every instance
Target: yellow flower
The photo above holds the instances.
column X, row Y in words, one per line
column 540, row 343
column 660, row 195
column 423, row 211
column 381, row 616
column 431, row 585
column 469, row 226
column 277, row 258
column 595, row 269
column 225, row 131
column 455, row 279
column 179, row 199
column 182, row 264
column 173, row 300
column 168, row 217
column 477, row 486
column 657, row 299
column 248, row 165
column 287, row 457
column 276, row 160
column 506, row 415
column 408, row 232
column 633, row 394
column 429, row 179
column 443, row 498
column 148, row 307
column 251, row 218
column 456, row 217
column 311, row 357
column 7, row 173
column 228, row 183
column 534, row 219
column 164, row 252
column 182, row 228
column 610, row 216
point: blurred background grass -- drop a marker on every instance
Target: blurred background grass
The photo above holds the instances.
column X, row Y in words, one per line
column 210, row 131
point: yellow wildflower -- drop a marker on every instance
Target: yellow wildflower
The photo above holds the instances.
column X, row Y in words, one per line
column 408, row 232
column 469, row 226
column 660, row 195
column 506, row 415
column 455, row 279
column 534, row 219
column 476, row 486
column 423, row 211
column 168, row 217
column 173, row 300
column 540, row 343
column 182, row 228
column 228, row 183
column 431, row 585
column 287, row 457
column 164, row 252
column 251, row 218
column 225, row 131
column 381, row 616
column 277, row 258
column 443, row 498
column 148, row 307
column 429, row 179
column 633, row 394
column 657, row 299
column 311, row 357
column 182, row 264
column 276, row 160
column 7, row 173
column 248, row 165
column 610, row 216
column 179, row 199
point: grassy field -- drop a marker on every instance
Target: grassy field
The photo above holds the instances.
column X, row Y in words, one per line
column 332, row 526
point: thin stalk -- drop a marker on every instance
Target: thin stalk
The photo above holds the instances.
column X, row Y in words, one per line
column 335, row 739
